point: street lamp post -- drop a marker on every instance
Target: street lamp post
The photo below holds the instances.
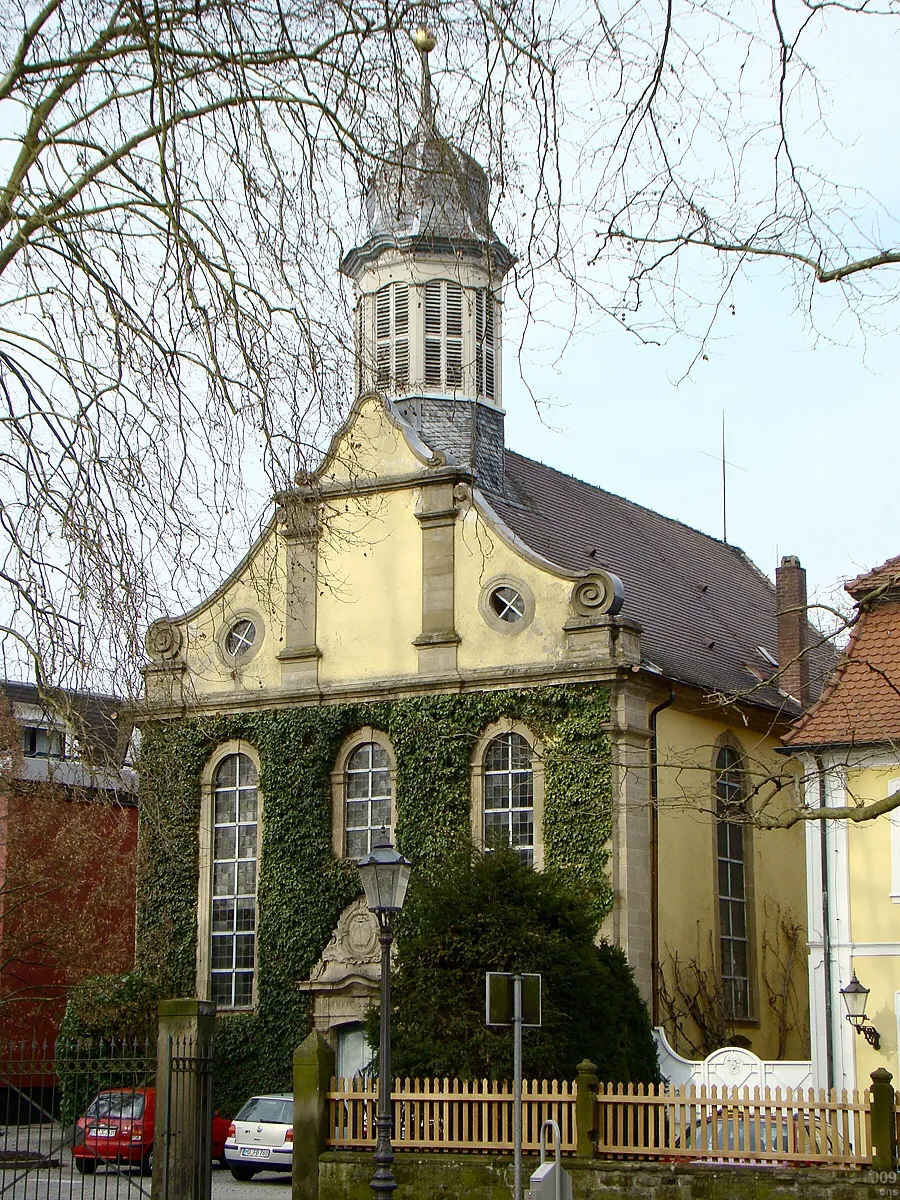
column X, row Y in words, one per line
column 385, row 877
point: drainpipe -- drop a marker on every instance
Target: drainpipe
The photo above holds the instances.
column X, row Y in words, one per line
column 826, row 925
column 654, row 854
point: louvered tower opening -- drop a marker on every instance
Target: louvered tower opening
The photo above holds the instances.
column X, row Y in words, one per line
column 485, row 383
column 443, row 320
column 392, row 337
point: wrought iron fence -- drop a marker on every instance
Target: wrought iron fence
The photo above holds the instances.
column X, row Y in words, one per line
column 76, row 1119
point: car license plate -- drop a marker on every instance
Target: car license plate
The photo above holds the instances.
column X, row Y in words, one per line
column 102, row 1131
column 253, row 1152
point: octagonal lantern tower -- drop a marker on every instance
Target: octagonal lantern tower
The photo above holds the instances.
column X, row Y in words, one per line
column 429, row 283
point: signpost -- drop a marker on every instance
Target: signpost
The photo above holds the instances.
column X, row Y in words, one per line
column 514, row 1000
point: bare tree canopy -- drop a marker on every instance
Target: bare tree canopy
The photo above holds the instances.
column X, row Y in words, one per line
column 177, row 181
column 723, row 138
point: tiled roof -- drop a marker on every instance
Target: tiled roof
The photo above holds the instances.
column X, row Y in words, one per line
column 861, row 703
column 882, row 579
column 704, row 607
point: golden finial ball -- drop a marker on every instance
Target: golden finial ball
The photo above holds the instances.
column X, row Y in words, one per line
column 423, row 40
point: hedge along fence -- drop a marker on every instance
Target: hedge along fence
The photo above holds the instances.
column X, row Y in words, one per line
column 302, row 887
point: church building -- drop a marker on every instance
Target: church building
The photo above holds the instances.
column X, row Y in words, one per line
column 436, row 634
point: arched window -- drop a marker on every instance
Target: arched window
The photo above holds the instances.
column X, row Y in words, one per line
column 235, row 853
column 509, row 794
column 367, row 797
column 731, row 843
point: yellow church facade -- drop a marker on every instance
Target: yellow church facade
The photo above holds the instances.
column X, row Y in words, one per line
column 436, row 633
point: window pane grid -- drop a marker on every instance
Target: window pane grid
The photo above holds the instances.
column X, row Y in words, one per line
column 734, row 942
column 509, row 795
column 367, row 790
column 235, row 842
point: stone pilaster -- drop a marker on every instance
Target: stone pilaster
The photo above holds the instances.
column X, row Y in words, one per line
column 438, row 641
column 300, row 657
column 629, row 924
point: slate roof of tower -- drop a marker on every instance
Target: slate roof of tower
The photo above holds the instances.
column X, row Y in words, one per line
column 704, row 607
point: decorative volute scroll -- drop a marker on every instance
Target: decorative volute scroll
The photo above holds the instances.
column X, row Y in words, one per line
column 599, row 593
column 595, row 631
column 163, row 641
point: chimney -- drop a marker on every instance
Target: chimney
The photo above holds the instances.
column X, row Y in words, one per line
column 790, row 609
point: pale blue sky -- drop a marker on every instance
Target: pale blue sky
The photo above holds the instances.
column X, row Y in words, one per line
column 813, row 425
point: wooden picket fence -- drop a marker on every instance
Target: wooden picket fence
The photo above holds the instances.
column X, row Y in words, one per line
column 790, row 1127
column 734, row 1125
column 450, row 1114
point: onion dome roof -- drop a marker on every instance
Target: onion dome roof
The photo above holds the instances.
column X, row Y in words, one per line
column 429, row 193
column 433, row 188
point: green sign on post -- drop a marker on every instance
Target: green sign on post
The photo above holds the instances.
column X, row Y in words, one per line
column 499, row 999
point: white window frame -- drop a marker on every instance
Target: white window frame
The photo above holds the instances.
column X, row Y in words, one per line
column 495, row 730
column 206, row 856
column 339, row 783
column 894, row 818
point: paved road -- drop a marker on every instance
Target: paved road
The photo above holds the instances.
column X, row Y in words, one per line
column 63, row 1183
column 271, row 1185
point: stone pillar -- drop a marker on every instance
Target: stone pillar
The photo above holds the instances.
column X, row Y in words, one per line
column 586, row 1109
column 182, row 1141
column 313, row 1071
column 884, row 1126
column 438, row 640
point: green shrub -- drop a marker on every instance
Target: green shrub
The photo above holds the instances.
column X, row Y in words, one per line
column 494, row 913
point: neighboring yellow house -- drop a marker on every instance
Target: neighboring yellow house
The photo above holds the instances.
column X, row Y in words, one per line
column 849, row 744
column 548, row 659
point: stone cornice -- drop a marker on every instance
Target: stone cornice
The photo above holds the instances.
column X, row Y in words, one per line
column 603, row 674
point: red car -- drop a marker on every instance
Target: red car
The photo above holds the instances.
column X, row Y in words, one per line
column 118, row 1127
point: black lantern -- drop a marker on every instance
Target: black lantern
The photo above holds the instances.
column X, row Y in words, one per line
column 385, row 877
column 855, row 996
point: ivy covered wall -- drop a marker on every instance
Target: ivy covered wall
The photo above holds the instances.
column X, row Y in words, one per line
column 302, row 888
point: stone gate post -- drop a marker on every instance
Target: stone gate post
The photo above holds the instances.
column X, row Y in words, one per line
column 182, row 1140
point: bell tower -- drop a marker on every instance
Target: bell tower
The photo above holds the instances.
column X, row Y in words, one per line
column 429, row 286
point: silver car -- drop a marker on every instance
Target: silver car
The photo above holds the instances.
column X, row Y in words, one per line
column 261, row 1137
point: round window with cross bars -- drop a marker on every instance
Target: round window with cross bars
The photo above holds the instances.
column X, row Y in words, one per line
column 240, row 639
column 507, row 605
